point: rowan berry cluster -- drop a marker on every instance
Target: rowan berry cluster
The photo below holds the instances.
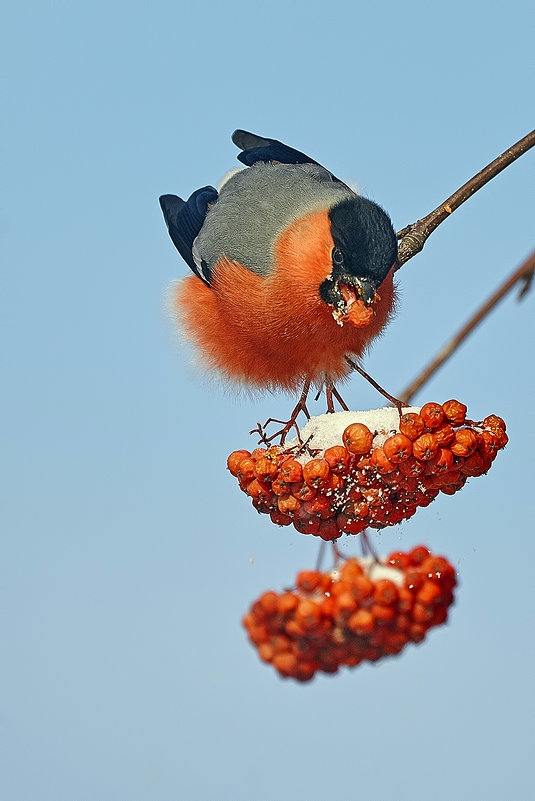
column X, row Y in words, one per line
column 361, row 611
column 350, row 475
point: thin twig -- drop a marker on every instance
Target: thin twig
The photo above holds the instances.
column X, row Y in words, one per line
column 523, row 273
column 414, row 236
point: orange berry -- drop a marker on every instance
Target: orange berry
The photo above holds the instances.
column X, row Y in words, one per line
column 382, row 613
column 288, row 504
column 258, row 489
column 362, row 587
column 281, row 643
column 418, row 554
column 294, row 628
column 454, row 412
column 280, row 518
column 320, row 506
column 392, row 479
column 385, row 592
column 316, row 472
column 302, row 491
column 441, row 462
column 452, row 488
column 444, row 434
column 245, row 469
column 439, row 569
column 405, row 599
column 285, row 663
column 361, row 622
column 357, row 438
column 308, row 580
column 403, row 622
column 398, row 448
column 394, row 642
column 265, row 651
column 472, row 465
column 356, row 509
column 421, row 613
column 308, row 613
column 268, row 602
column 234, row 460
column 351, row 569
column 493, row 421
column 349, row 525
column 328, row 530
column 287, row 603
column 291, row 471
column 381, row 462
column 411, row 467
column 359, row 314
column 488, row 444
column 425, row 447
column 374, row 496
column 280, row 487
column 265, row 469
column 465, row 442
column 409, row 483
column 334, row 482
column 432, row 414
column 411, row 425
column 398, row 559
column 306, row 525
column 449, row 478
column 337, row 458
column 417, row 632
column 502, row 436
column 429, row 594
column 344, row 605
column 258, row 453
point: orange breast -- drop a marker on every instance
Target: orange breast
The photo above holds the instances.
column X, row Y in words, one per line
column 274, row 332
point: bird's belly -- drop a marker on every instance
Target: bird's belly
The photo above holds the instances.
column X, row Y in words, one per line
column 253, row 332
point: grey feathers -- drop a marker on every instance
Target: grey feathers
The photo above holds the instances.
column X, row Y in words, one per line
column 256, row 205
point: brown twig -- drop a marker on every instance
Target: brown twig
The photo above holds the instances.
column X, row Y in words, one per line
column 413, row 237
column 523, row 273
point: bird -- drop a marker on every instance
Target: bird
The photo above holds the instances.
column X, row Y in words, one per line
column 292, row 270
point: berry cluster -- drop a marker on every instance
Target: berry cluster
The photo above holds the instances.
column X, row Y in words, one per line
column 361, row 611
column 360, row 469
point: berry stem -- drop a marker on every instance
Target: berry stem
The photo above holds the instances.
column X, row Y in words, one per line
column 321, row 554
column 367, row 547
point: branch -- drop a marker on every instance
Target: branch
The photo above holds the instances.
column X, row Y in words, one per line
column 524, row 273
column 413, row 237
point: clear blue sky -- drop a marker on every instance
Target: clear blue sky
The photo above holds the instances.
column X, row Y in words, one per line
column 125, row 673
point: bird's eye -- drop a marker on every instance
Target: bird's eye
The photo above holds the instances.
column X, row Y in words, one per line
column 338, row 256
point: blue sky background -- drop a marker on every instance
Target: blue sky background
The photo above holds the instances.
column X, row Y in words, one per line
column 126, row 546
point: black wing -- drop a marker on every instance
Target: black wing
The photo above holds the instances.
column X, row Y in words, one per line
column 184, row 220
column 257, row 148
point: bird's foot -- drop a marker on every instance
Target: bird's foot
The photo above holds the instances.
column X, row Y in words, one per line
column 330, row 392
column 395, row 401
column 287, row 424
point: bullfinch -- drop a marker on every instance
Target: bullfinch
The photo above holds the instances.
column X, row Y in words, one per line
column 292, row 269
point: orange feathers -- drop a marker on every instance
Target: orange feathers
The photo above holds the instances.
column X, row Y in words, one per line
column 275, row 331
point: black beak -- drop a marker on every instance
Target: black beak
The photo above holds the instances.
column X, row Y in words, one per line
column 366, row 289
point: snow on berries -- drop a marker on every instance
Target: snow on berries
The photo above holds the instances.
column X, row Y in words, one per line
column 362, row 610
column 352, row 470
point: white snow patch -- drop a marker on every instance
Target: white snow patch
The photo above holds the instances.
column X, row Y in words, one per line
column 326, row 430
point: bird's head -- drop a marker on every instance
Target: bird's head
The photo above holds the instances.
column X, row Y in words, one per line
column 365, row 249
